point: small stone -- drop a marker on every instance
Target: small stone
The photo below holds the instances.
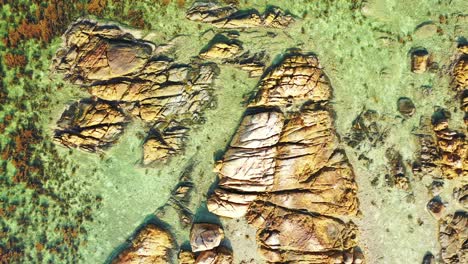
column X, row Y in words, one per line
column 429, row 258
column 419, row 61
column 406, row 106
column 402, row 182
column 205, row 236
column 436, row 207
column 186, row 257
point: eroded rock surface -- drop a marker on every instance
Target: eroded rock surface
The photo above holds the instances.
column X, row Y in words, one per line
column 219, row 255
column 453, row 238
column 90, row 125
column 205, row 236
column 231, row 17
column 151, row 245
column 284, row 170
column 115, row 67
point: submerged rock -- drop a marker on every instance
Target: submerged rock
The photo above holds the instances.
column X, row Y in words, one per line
column 230, row 17
column 406, row 106
column 429, row 259
column 367, row 128
column 453, row 235
column 205, row 236
column 152, row 244
column 436, row 207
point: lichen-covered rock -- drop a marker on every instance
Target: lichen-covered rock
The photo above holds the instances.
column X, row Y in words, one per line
column 90, row 125
column 219, row 255
column 419, row 61
column 205, row 236
column 151, row 245
column 453, row 236
column 230, row 17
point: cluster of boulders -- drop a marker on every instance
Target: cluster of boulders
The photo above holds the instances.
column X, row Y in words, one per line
column 230, row 17
column 205, row 240
column 229, row 51
column 126, row 80
column 284, row 170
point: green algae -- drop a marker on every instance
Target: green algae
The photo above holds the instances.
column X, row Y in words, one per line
column 364, row 49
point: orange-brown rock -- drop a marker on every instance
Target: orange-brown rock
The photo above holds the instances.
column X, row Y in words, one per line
column 186, row 257
column 115, row 66
column 419, row 61
column 460, row 73
column 151, row 245
column 219, row 255
column 453, row 236
column 284, row 230
column 90, row 125
column 298, row 78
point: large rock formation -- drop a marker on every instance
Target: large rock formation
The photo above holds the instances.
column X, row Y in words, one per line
column 122, row 72
column 151, row 245
column 284, row 171
column 231, row 17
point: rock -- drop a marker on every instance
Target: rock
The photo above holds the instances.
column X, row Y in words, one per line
column 429, row 259
column 453, row 234
column 219, row 255
column 284, row 171
column 186, row 257
column 151, row 245
column 100, row 52
column 90, row 125
column 209, row 12
column 419, row 60
column 284, row 230
column 425, row 30
column 221, row 50
column 164, row 143
column 297, row 78
column 460, row 194
column 436, row 207
column 406, row 106
column 254, row 63
column 115, row 66
column 460, row 73
column 366, row 130
column 230, row 17
column 205, row 236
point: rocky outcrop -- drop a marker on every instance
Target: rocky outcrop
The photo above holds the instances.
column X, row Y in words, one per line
column 225, row 49
column 118, row 68
column 90, row 125
column 285, row 173
column 152, row 244
column 231, row 17
column 453, row 237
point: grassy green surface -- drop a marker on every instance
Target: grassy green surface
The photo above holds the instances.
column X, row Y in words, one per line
column 364, row 49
